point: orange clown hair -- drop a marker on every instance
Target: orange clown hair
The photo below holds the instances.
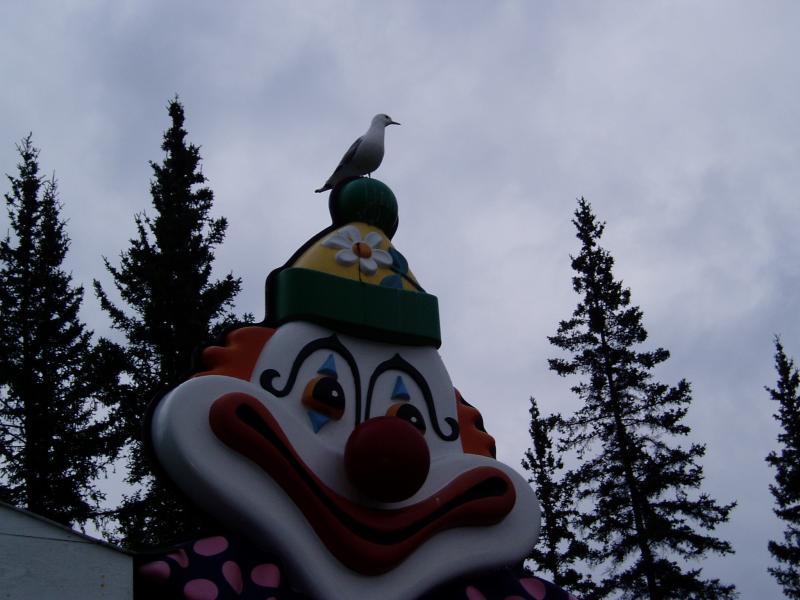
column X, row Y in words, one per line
column 474, row 439
column 238, row 356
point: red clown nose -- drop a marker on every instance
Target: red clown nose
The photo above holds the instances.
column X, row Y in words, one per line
column 387, row 459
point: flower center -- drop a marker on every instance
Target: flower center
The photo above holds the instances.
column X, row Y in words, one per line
column 362, row 250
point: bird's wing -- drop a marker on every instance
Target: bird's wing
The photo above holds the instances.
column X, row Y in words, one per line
column 351, row 151
column 341, row 170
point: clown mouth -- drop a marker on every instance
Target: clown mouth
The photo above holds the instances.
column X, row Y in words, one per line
column 368, row 540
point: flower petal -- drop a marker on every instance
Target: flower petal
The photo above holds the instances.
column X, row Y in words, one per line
column 346, row 257
column 368, row 266
column 351, row 232
column 344, row 238
column 374, row 239
column 337, row 241
column 382, row 257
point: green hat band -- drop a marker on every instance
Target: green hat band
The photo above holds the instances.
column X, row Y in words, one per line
column 364, row 310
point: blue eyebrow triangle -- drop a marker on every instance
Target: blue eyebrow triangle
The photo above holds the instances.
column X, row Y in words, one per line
column 328, row 367
column 318, row 420
column 400, row 392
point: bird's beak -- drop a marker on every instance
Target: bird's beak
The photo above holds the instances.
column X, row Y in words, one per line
column 393, row 123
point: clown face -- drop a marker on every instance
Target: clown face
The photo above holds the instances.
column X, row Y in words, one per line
column 356, row 460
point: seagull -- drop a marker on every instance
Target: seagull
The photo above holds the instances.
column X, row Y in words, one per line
column 364, row 156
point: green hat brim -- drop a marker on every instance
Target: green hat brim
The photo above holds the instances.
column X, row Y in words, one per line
column 375, row 312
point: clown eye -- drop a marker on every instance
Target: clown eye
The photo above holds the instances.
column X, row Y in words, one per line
column 325, row 396
column 409, row 412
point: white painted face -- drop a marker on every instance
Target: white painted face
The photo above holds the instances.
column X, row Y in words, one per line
column 277, row 457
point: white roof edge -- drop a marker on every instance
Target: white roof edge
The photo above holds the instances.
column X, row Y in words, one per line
column 65, row 528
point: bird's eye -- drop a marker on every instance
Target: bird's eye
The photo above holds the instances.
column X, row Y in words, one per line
column 409, row 412
column 324, row 395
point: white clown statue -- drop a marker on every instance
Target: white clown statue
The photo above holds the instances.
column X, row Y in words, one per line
column 330, row 448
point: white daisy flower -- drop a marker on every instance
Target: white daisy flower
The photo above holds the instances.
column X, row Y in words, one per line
column 353, row 249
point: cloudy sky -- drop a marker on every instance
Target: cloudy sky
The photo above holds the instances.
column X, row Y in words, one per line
column 677, row 120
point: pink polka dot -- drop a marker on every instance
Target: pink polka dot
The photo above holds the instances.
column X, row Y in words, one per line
column 211, row 546
column 200, row 589
column 474, row 594
column 180, row 557
column 233, row 575
column 157, row 570
column 266, row 576
column 534, row 587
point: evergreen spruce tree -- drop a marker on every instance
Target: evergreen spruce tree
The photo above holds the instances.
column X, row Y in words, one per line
column 644, row 511
column 173, row 306
column 53, row 442
column 786, row 462
column 558, row 548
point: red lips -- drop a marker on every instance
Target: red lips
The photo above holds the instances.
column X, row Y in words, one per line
column 368, row 540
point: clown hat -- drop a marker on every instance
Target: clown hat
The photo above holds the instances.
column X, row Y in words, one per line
column 349, row 277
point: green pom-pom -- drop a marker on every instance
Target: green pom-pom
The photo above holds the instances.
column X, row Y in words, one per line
column 364, row 200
